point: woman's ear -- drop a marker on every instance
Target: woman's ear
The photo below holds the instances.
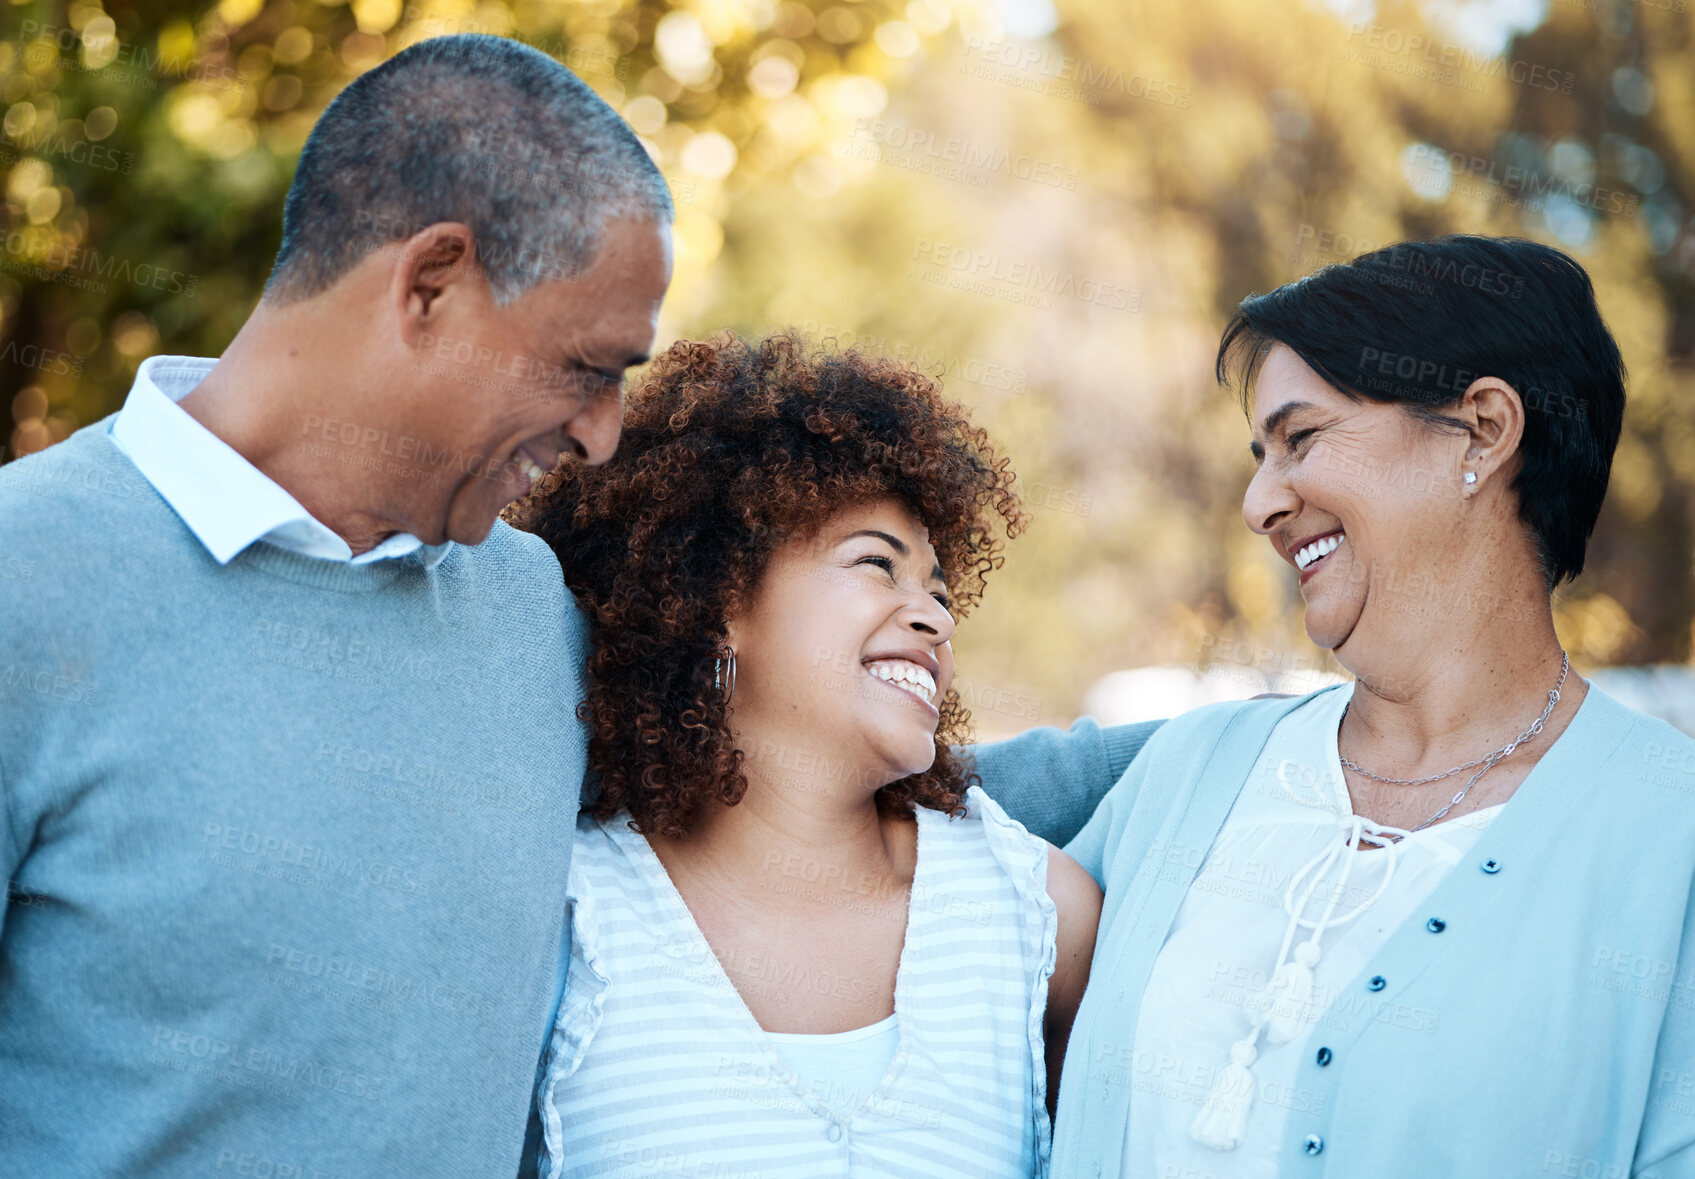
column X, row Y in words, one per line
column 1493, row 414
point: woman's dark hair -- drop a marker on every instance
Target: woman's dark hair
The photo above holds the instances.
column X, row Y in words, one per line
column 729, row 450
column 1414, row 324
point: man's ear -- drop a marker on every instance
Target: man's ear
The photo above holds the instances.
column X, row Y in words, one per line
column 1493, row 414
column 433, row 263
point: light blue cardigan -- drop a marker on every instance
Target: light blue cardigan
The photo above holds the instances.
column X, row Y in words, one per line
column 1536, row 1019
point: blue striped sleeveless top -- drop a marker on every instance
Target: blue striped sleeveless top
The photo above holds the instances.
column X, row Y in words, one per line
column 657, row 1067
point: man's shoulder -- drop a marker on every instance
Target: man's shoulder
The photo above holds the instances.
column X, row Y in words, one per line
column 83, row 473
column 71, row 505
column 511, row 548
column 507, row 561
column 519, row 567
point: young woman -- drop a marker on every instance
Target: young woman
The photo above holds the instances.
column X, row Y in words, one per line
column 803, row 944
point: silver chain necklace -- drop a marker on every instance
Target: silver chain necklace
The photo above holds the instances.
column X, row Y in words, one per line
column 1488, row 762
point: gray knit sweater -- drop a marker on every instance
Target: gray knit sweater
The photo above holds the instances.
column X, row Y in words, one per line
column 286, row 840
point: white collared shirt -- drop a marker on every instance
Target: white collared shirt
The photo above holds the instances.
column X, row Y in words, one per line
column 226, row 501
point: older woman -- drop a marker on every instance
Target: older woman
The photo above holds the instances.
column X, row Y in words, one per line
column 800, row 944
column 1437, row 921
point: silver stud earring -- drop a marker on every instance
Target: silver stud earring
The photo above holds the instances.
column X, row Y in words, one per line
column 1470, row 478
column 724, row 677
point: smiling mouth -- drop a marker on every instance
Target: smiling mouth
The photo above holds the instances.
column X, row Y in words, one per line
column 528, row 465
column 1315, row 552
column 907, row 677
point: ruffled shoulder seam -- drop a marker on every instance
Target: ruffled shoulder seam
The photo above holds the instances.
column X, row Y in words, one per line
column 583, row 1004
column 1024, row 858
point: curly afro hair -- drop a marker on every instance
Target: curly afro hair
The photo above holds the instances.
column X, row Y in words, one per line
column 729, row 450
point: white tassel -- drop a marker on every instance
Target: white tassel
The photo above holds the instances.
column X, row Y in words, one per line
column 1223, row 1120
column 1291, row 996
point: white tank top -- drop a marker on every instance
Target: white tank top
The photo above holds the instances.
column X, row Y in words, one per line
column 839, row 1065
column 656, row 1065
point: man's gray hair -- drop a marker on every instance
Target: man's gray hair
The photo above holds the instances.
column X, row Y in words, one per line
column 468, row 128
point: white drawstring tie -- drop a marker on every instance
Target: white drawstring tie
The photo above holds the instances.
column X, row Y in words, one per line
column 1287, row 1005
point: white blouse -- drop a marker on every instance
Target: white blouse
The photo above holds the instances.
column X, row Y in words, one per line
column 1277, row 923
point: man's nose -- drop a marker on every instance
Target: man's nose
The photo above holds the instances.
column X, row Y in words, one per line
column 593, row 433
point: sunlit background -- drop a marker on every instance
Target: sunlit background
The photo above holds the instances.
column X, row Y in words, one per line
column 1052, row 205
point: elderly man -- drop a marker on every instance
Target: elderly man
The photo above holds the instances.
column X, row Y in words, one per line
column 287, row 771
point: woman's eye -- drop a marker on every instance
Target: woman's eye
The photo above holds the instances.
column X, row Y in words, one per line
column 1298, row 437
column 887, row 565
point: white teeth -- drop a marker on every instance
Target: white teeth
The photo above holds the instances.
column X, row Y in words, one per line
column 529, row 467
column 1317, row 549
column 906, row 674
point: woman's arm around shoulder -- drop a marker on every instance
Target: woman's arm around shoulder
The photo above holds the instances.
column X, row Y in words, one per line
column 1077, row 901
